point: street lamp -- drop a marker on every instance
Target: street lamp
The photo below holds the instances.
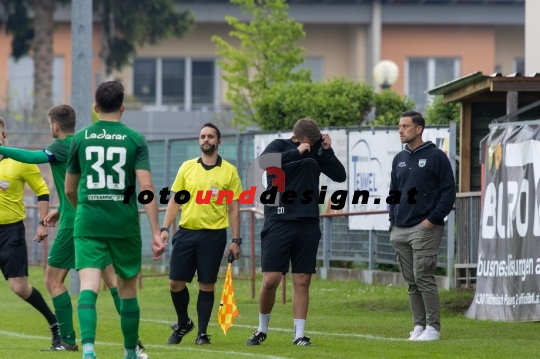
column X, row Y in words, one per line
column 385, row 73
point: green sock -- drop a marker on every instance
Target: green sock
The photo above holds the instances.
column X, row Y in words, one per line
column 116, row 298
column 64, row 315
column 129, row 321
column 87, row 316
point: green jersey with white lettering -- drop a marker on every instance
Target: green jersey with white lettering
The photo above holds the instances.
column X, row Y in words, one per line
column 106, row 154
column 60, row 150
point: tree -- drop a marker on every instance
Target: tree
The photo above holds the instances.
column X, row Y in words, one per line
column 267, row 55
column 33, row 35
column 126, row 23
column 440, row 113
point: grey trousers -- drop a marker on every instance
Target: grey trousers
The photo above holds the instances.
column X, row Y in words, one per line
column 417, row 248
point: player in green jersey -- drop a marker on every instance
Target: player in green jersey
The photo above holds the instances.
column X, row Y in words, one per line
column 107, row 158
column 62, row 119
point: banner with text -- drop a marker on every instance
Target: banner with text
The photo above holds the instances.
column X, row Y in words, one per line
column 508, row 272
column 370, row 164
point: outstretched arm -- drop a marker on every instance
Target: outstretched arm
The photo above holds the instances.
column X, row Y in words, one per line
column 26, row 156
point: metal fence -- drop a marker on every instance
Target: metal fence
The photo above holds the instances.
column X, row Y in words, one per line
column 361, row 248
column 468, row 213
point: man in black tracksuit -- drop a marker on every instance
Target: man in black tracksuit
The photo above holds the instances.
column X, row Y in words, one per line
column 291, row 230
column 423, row 175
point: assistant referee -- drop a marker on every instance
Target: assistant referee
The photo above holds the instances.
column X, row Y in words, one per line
column 200, row 241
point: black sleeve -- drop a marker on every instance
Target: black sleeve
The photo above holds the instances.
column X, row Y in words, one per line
column 286, row 156
column 393, row 187
column 331, row 166
column 447, row 190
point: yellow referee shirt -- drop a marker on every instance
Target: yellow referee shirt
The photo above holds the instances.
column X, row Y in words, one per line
column 194, row 176
column 13, row 175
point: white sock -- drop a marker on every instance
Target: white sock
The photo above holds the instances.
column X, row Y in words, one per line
column 263, row 322
column 299, row 325
column 88, row 348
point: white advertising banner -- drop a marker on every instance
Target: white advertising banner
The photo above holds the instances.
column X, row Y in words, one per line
column 370, row 164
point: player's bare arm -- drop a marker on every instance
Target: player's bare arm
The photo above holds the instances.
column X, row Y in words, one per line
column 145, row 183
column 71, row 185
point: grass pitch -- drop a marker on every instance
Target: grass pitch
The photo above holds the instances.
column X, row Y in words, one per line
column 346, row 319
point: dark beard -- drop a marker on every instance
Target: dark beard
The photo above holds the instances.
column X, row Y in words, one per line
column 210, row 151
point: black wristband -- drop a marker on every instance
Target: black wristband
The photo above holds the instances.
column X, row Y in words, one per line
column 42, row 223
column 164, row 229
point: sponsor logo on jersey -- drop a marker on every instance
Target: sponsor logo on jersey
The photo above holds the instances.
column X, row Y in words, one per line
column 104, row 136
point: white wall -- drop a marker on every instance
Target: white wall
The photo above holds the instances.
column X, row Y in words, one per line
column 532, row 35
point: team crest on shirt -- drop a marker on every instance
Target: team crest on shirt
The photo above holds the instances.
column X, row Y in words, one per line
column 422, row 162
column 215, row 191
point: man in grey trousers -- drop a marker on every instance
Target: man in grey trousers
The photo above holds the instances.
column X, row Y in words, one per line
column 423, row 181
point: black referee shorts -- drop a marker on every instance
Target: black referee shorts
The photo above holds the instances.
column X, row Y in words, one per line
column 13, row 253
column 294, row 241
column 197, row 250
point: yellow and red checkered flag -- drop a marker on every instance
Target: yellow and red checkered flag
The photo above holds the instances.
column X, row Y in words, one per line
column 227, row 308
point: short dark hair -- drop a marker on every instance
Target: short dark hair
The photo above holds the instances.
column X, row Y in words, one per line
column 307, row 128
column 416, row 118
column 64, row 116
column 210, row 124
column 109, row 96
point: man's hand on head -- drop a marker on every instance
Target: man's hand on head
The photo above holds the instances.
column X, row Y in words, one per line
column 304, row 147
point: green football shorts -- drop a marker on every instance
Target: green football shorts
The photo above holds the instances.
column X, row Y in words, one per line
column 62, row 253
column 125, row 254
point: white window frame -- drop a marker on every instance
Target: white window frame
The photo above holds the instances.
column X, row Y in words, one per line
column 188, row 61
column 430, row 73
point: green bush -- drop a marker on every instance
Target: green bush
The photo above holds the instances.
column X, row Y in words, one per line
column 440, row 113
column 389, row 106
column 337, row 102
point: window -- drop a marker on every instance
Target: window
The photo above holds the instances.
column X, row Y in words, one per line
column 202, row 83
column 144, row 81
column 183, row 83
column 519, row 66
column 315, row 64
column 423, row 74
column 21, row 81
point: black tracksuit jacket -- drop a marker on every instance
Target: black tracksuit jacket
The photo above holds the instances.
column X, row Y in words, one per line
column 427, row 169
column 302, row 176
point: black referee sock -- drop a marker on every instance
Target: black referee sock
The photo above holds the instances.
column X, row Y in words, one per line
column 37, row 301
column 205, row 303
column 181, row 301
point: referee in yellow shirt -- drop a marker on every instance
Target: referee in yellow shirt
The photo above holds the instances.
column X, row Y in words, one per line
column 13, row 253
column 199, row 243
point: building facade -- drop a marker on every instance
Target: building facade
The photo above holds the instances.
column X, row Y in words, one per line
column 431, row 41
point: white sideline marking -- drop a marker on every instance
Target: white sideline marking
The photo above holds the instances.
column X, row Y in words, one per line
column 231, row 352
column 349, row 335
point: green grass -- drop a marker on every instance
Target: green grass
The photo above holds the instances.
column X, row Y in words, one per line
column 346, row 319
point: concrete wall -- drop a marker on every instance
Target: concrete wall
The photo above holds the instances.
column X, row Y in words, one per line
column 474, row 45
column 532, row 34
column 509, row 46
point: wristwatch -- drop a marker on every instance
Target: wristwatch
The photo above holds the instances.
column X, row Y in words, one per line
column 41, row 223
column 164, row 229
column 237, row 241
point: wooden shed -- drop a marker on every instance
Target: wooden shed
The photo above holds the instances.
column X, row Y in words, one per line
column 485, row 98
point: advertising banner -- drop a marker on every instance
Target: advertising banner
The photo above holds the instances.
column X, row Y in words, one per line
column 508, row 272
column 370, row 164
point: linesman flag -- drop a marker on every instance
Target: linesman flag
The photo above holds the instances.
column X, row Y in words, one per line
column 227, row 308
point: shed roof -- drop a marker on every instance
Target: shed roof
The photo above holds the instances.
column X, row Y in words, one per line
column 478, row 86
